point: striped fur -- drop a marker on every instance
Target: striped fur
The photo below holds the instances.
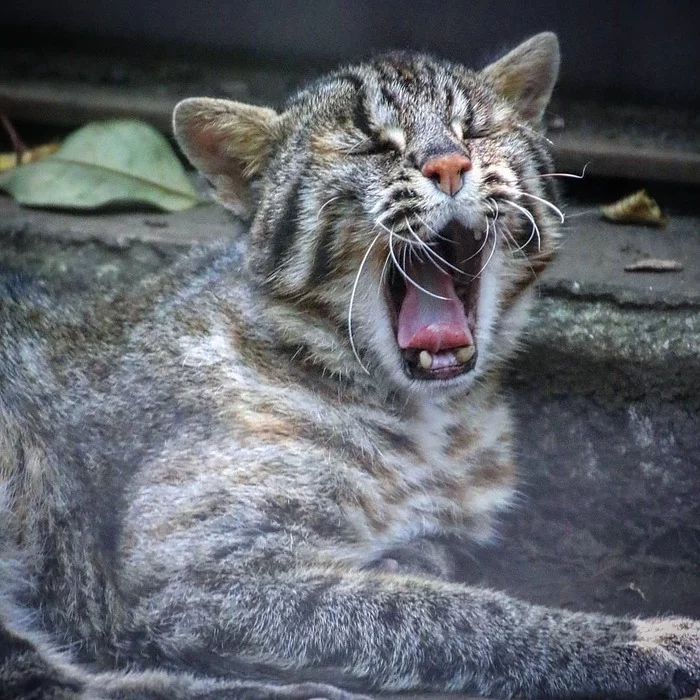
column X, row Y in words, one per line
column 233, row 475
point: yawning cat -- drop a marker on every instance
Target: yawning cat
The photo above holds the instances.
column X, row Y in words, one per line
column 254, row 467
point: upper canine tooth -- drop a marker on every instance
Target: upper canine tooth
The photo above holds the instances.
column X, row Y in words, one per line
column 425, row 359
column 465, row 353
column 477, row 234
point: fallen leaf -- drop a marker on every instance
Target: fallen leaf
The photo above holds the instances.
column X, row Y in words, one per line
column 654, row 265
column 637, row 208
column 121, row 161
column 31, row 155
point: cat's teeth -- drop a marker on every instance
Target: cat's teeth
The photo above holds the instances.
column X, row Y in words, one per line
column 425, row 359
column 477, row 234
column 464, row 354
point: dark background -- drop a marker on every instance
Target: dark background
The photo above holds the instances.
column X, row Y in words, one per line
column 642, row 51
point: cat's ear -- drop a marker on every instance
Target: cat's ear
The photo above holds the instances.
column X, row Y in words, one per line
column 228, row 142
column 526, row 76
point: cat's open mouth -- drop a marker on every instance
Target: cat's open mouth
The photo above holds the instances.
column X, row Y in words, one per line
column 434, row 305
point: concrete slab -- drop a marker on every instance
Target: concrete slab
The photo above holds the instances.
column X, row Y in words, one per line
column 118, row 229
column 594, row 253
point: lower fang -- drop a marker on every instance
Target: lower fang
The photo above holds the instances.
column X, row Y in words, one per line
column 464, row 354
column 425, row 359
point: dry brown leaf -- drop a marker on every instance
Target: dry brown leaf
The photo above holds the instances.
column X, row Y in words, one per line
column 637, row 208
column 654, row 265
column 31, row 155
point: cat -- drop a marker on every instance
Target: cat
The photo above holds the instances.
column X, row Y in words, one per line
column 249, row 475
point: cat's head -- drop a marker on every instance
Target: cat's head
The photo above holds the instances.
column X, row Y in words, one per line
column 399, row 202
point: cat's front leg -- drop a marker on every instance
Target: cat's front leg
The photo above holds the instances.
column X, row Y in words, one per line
column 30, row 669
column 393, row 632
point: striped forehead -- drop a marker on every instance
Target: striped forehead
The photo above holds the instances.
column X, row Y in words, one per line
column 391, row 93
column 396, row 93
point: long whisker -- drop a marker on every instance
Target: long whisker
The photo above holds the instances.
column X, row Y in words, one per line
column 547, row 203
column 572, row 175
column 382, row 276
column 493, row 250
column 483, row 245
column 535, row 228
column 357, row 145
column 391, row 232
column 426, row 224
column 508, row 238
column 431, row 229
column 536, row 133
column 436, row 256
column 405, row 275
column 430, row 252
column 587, row 212
column 332, row 199
column 435, row 259
column 508, row 235
column 352, row 300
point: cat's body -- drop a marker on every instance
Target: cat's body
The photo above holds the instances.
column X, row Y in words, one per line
column 257, row 464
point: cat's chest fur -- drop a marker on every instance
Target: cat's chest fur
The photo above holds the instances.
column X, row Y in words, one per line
column 354, row 474
column 449, row 478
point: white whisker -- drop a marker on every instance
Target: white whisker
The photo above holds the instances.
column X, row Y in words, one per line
column 546, row 202
column 357, row 145
column 483, row 245
column 493, row 250
column 332, row 199
column 405, row 275
column 425, row 223
column 587, row 212
column 391, row 232
column 435, row 259
column 495, row 206
column 432, row 230
column 572, row 175
column 382, row 276
column 534, row 132
column 352, row 300
column 535, row 228
column 430, row 252
column 507, row 235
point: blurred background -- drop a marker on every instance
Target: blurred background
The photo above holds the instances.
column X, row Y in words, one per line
column 648, row 49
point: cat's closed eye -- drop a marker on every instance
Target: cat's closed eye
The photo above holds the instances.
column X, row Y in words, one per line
column 372, row 147
column 390, row 140
column 470, row 132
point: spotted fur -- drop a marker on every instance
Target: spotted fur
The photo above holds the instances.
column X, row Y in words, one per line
column 233, row 475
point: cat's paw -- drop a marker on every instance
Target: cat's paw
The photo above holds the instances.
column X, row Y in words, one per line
column 672, row 646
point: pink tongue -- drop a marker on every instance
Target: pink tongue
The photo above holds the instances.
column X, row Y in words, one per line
column 431, row 324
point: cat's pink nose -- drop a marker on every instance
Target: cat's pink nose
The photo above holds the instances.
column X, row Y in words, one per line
column 446, row 171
